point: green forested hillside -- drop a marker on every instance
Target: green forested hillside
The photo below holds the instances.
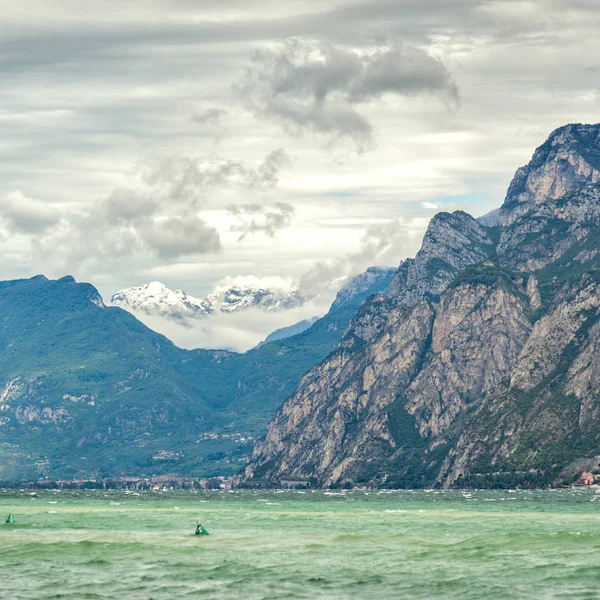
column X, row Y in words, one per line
column 88, row 390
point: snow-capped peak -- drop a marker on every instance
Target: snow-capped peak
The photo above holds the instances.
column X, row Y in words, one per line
column 155, row 298
column 239, row 297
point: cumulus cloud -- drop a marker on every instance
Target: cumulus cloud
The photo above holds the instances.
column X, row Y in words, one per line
column 318, row 88
column 254, row 218
column 27, row 215
column 126, row 225
column 160, row 217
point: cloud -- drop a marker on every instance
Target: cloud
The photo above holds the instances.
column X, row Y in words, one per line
column 315, row 87
column 26, row 215
column 127, row 224
column 178, row 180
column 266, row 175
column 124, row 206
column 404, row 70
column 232, row 331
column 92, row 87
column 210, row 116
column 158, row 217
column 177, row 236
column 381, row 244
column 430, row 205
column 254, row 218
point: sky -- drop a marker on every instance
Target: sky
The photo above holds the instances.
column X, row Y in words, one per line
column 291, row 143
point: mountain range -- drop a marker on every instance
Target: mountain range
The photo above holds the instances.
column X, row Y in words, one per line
column 86, row 390
column 480, row 366
column 475, row 363
column 156, row 299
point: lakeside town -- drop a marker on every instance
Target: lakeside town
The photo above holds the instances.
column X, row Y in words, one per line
column 165, row 483
column 172, row 482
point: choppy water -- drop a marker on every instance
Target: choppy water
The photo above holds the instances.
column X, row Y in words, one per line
column 301, row 545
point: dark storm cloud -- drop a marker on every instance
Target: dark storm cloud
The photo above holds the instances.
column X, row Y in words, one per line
column 254, row 218
column 316, row 87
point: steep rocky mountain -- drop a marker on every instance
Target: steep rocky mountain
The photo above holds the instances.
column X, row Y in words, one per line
column 88, row 390
column 480, row 365
column 155, row 298
column 567, row 161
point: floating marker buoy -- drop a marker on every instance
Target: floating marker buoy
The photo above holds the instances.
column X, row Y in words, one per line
column 10, row 519
column 200, row 530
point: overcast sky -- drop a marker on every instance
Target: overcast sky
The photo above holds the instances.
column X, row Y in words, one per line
column 189, row 141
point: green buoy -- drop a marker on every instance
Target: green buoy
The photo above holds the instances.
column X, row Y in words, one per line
column 10, row 519
column 200, row 530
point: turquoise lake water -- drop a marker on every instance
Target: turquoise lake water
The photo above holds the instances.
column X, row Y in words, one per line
column 267, row 545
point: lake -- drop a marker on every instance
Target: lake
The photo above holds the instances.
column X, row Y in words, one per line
column 291, row 544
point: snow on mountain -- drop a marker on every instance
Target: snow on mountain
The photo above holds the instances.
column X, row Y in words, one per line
column 240, row 297
column 156, row 299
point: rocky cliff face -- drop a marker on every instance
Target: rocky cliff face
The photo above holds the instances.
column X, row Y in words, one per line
column 479, row 366
column 567, row 161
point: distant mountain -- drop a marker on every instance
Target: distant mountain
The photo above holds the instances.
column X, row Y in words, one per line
column 375, row 280
column 491, row 219
column 87, row 390
column 156, row 299
column 238, row 298
column 481, row 365
column 286, row 332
